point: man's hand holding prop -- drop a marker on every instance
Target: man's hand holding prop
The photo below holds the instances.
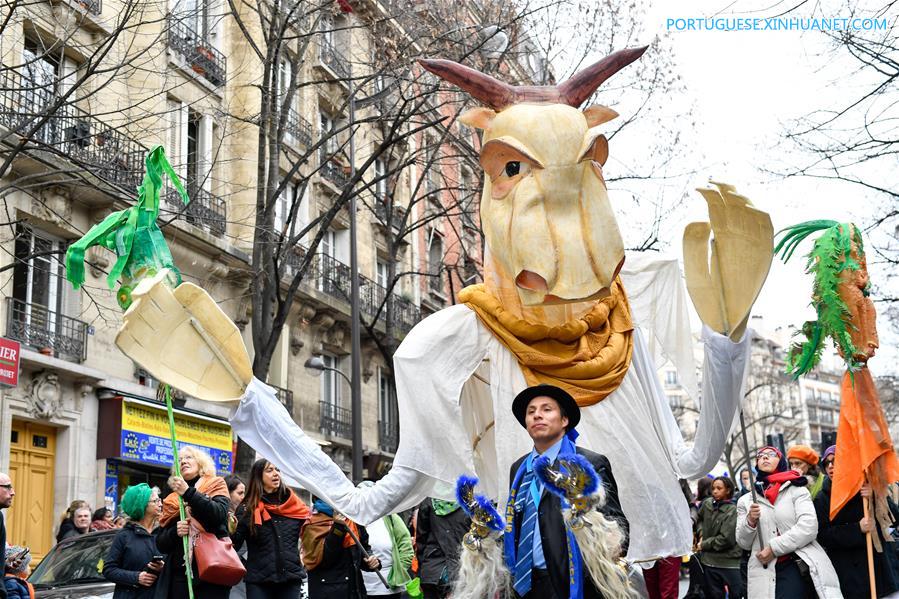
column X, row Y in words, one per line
column 599, row 540
column 482, row 571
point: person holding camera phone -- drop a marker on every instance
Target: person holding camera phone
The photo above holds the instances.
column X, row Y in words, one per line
column 133, row 562
column 17, row 561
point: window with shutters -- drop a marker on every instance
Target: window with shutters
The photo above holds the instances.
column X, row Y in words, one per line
column 336, row 420
column 435, row 261
column 41, row 311
column 388, row 413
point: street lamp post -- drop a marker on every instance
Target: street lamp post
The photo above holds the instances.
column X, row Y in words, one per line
column 315, row 366
column 355, row 342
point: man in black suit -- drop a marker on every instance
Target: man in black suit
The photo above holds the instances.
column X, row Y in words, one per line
column 6, row 495
column 541, row 569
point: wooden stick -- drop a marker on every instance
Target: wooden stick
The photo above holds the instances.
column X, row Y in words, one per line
column 758, row 525
column 869, row 544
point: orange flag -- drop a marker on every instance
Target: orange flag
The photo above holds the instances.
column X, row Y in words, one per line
column 864, row 448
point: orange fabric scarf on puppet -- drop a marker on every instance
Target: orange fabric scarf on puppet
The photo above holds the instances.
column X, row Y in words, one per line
column 210, row 486
column 587, row 356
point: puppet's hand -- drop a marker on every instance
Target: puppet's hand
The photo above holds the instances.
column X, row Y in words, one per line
column 724, row 287
column 184, row 339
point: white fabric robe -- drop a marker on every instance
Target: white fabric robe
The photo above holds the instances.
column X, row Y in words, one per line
column 445, row 410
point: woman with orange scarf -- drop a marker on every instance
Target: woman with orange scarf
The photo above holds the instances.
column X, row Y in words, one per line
column 207, row 501
column 269, row 520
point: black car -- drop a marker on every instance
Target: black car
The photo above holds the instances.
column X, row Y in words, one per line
column 73, row 569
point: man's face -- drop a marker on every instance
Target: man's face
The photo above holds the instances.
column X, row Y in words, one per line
column 744, row 478
column 82, row 519
column 544, row 419
column 6, row 491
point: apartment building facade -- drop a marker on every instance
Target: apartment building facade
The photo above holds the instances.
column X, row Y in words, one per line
column 89, row 86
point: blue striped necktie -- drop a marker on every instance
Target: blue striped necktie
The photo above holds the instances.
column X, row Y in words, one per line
column 525, row 550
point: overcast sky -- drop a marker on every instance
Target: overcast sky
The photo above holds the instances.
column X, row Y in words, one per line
column 745, row 87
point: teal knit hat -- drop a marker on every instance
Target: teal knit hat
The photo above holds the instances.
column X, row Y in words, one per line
column 134, row 501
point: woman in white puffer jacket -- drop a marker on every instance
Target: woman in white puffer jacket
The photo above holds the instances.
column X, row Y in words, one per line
column 792, row 564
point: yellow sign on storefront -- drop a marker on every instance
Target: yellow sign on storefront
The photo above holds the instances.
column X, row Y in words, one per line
column 154, row 422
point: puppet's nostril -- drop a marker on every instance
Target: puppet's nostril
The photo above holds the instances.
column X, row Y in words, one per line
column 531, row 281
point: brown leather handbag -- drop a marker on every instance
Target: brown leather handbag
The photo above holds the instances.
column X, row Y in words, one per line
column 217, row 562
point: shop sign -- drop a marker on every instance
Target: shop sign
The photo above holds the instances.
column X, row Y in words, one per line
column 9, row 362
column 111, row 492
column 145, row 436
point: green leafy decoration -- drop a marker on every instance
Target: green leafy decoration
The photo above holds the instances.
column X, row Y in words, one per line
column 831, row 255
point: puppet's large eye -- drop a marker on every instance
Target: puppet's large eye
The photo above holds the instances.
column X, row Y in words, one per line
column 513, row 168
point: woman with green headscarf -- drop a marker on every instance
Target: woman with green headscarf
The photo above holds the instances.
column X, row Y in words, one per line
column 129, row 563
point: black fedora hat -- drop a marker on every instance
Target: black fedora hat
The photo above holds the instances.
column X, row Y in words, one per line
column 564, row 399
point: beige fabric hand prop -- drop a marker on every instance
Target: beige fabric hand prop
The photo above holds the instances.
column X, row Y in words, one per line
column 184, row 339
column 724, row 287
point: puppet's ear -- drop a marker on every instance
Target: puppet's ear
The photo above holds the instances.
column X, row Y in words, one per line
column 479, row 118
column 597, row 115
column 595, row 148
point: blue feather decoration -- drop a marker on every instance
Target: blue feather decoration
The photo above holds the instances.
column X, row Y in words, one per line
column 477, row 507
column 575, row 476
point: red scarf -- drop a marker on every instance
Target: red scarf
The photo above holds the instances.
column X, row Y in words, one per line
column 776, row 479
column 292, row 508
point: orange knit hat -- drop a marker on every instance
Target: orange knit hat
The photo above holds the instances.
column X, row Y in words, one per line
column 804, row 453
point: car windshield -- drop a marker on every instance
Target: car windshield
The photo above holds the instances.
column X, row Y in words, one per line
column 72, row 562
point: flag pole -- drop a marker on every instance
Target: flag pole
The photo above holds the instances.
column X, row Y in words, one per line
column 758, row 524
column 869, row 546
column 168, row 406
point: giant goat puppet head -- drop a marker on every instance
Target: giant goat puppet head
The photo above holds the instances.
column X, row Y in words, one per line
column 545, row 211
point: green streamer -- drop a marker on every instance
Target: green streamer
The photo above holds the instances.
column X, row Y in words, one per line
column 171, row 412
column 140, row 248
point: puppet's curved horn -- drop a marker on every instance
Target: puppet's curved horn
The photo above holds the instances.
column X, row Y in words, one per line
column 492, row 92
column 581, row 86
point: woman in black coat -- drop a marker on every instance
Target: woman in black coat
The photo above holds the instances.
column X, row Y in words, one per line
column 206, row 499
column 843, row 538
column 438, row 542
column 129, row 562
column 270, row 520
column 333, row 557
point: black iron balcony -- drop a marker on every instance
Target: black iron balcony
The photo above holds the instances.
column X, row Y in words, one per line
column 105, row 152
column 285, row 396
column 68, row 131
column 205, row 210
column 374, row 299
column 388, row 436
column 334, row 60
column 333, row 172
column 46, row 331
column 333, row 277
column 201, row 57
column 298, row 129
column 336, row 421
